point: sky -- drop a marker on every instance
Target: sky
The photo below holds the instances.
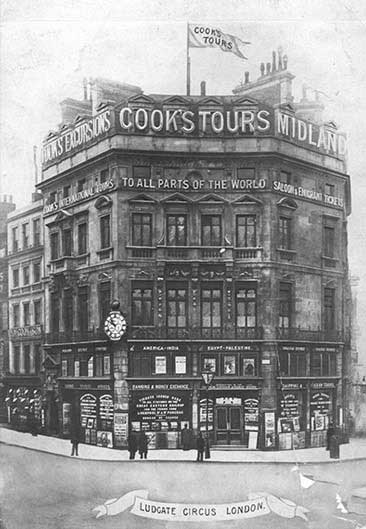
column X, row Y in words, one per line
column 47, row 48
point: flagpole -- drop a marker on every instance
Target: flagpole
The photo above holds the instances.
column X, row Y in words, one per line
column 188, row 65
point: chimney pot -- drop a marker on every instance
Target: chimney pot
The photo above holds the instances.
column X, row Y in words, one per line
column 285, row 59
column 246, row 77
column 279, row 53
column 268, row 68
column 262, row 69
column 203, row 88
column 85, row 87
column 273, row 62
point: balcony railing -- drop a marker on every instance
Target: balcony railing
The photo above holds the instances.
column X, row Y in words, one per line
column 28, row 331
column 196, row 333
column 75, row 336
column 248, row 253
column 194, row 253
column 318, row 335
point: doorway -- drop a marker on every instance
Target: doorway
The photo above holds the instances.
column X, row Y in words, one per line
column 228, row 425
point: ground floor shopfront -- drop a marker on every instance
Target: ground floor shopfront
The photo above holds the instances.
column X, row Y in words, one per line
column 24, row 403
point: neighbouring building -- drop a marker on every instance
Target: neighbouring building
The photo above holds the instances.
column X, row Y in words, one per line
column 6, row 206
column 220, row 224
column 23, row 384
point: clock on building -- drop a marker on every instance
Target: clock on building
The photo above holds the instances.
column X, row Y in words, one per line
column 115, row 325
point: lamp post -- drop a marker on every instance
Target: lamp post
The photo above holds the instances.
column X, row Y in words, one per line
column 207, row 378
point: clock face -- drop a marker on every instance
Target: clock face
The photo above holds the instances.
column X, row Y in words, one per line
column 115, row 325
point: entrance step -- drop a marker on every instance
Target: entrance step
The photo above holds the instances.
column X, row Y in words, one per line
column 229, row 447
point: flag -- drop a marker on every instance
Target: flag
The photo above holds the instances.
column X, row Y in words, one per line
column 203, row 36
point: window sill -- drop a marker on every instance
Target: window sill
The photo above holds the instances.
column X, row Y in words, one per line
column 105, row 253
column 329, row 262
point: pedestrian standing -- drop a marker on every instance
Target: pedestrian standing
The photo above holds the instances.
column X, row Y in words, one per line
column 200, row 447
column 75, row 438
column 132, row 444
column 186, row 438
column 143, row 445
column 332, row 442
column 330, row 433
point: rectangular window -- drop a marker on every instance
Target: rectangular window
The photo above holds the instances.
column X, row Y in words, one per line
column 329, row 189
column 26, row 275
column 105, row 231
column 54, row 240
column 64, row 368
column 15, row 277
column 285, row 233
column 26, row 353
column 285, row 177
column 25, row 235
column 15, row 242
column 329, row 309
column 142, row 306
column 141, row 172
column 160, row 365
column 36, row 272
column 26, row 314
column 211, row 306
column 106, row 365
column 328, row 241
column 55, row 312
column 66, row 191
column 76, row 368
column 176, row 230
column 16, row 315
column 36, row 232
column 81, row 185
column 37, row 357
column 249, row 367
column 37, row 307
column 83, row 309
column 292, row 363
column 104, row 175
column 177, row 306
column 142, row 229
column 246, row 307
column 246, row 236
column 91, row 366
column 211, row 230
column 66, row 242
column 285, row 305
column 82, row 234
column 16, row 356
column 180, row 365
column 68, row 312
column 140, row 365
column 99, row 365
column 104, row 301
column 52, row 197
column 229, row 367
column 209, row 364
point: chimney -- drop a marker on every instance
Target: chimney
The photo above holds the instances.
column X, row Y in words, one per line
column 268, row 68
column 203, row 88
column 274, row 68
column 85, row 88
column 262, row 69
column 35, row 164
column 246, row 77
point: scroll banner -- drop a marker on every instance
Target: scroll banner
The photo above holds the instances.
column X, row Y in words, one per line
column 257, row 504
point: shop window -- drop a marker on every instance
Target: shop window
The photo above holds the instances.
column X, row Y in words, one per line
column 209, row 364
column 16, row 358
column 142, row 229
column 160, row 365
column 82, row 238
column 25, row 235
column 64, row 366
column 68, row 312
column 26, row 275
column 180, row 365
column 177, row 307
column 246, row 307
column 104, row 301
column 55, row 245
column 176, row 230
column 329, row 309
column 328, row 241
column 292, row 363
column 249, row 366
column 211, row 230
column 83, row 309
column 26, row 314
column 15, row 242
column 211, row 307
column 285, row 305
column 66, row 242
column 15, row 277
column 246, row 236
column 140, row 364
column 105, row 231
column 142, row 305
column 76, row 368
column 26, row 354
column 55, row 312
column 91, row 366
column 229, row 365
column 36, row 272
column 284, row 233
column 16, row 317
column 36, row 232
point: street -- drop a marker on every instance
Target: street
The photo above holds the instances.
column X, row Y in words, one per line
column 44, row 491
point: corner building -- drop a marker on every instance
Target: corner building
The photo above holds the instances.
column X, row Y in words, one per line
column 220, row 224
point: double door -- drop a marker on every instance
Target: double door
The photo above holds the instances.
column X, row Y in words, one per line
column 228, row 425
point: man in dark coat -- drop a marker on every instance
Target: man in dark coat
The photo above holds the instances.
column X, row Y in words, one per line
column 132, row 445
column 330, row 433
column 186, row 438
column 200, row 447
column 75, row 437
column 143, row 444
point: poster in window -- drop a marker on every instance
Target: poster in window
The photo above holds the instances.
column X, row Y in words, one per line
column 105, row 439
column 180, row 365
column 229, row 365
column 209, row 364
column 248, row 367
column 107, row 365
column 160, row 365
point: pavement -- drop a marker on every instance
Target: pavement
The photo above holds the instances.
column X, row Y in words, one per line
column 355, row 450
